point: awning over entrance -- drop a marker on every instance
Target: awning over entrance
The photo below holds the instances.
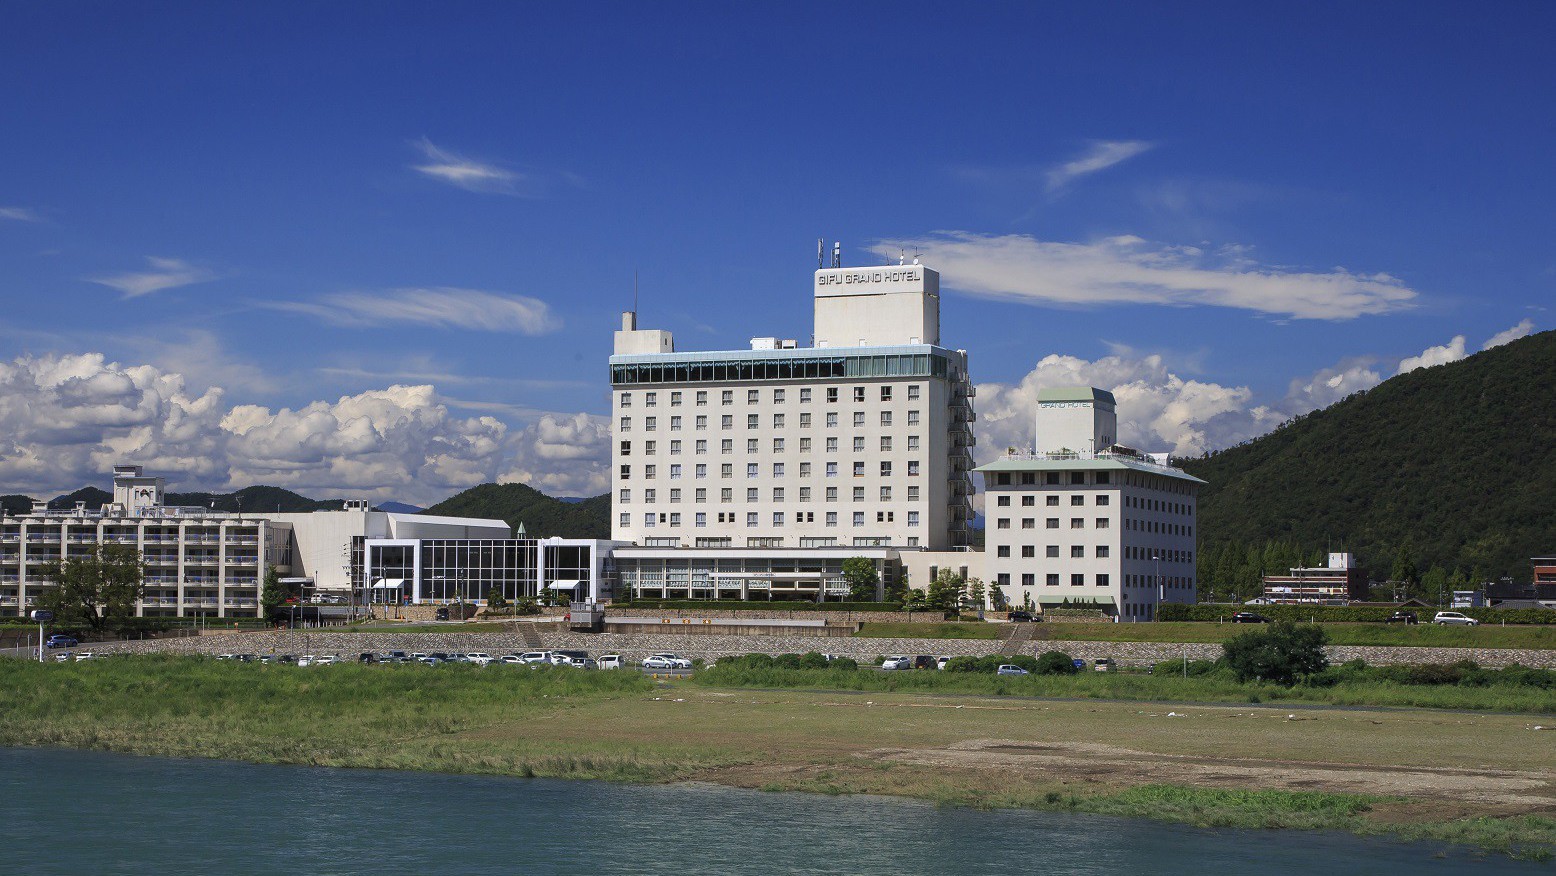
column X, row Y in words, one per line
column 389, row 584
column 563, row 585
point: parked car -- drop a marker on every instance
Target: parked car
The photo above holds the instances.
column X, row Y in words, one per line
column 326, row 660
column 536, row 657
column 1401, row 617
column 1104, row 664
column 287, row 658
column 226, row 656
column 1447, row 618
column 1021, row 616
column 1249, row 617
column 584, row 663
column 897, row 662
column 940, row 664
column 509, row 660
column 440, row 614
column 610, row 661
column 1078, row 663
column 60, row 640
column 306, row 660
column 676, row 662
column 924, row 661
column 479, row 658
column 657, row 661
column 63, row 657
column 1010, row 669
column 418, row 657
column 85, row 655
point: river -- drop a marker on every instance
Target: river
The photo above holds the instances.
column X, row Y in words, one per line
column 73, row 812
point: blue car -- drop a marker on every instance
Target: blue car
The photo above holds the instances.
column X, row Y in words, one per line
column 60, row 640
column 1078, row 663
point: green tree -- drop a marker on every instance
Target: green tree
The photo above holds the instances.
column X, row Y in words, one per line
column 1459, row 580
column 862, row 578
column 974, row 591
column 1434, row 585
column 495, row 600
column 99, row 589
column 945, row 592
column 915, row 600
column 1282, row 653
column 274, row 594
column 1404, row 573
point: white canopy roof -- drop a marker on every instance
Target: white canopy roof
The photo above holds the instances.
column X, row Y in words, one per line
column 563, row 585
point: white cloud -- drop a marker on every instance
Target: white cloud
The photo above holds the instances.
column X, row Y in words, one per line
column 443, row 306
column 1508, row 336
column 1452, row 351
column 164, row 274
column 563, row 455
column 19, row 214
column 1329, row 385
column 466, row 173
column 1129, row 270
column 1102, row 155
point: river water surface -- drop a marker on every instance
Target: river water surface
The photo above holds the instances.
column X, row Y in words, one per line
column 92, row 813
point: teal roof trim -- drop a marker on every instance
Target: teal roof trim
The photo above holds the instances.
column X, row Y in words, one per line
column 1113, row 463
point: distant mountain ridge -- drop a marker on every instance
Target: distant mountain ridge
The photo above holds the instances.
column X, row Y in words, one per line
column 543, row 516
column 1452, row 466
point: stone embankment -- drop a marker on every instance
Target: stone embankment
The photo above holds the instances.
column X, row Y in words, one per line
column 710, row 647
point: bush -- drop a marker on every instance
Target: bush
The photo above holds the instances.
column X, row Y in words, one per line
column 847, row 663
column 1282, row 653
column 1055, row 663
column 813, row 660
column 1329, row 614
column 788, row 661
column 1194, row 668
column 752, row 605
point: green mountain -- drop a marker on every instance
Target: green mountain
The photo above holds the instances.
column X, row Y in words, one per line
column 541, row 515
column 254, row 500
column 15, row 504
column 1451, row 467
column 92, row 496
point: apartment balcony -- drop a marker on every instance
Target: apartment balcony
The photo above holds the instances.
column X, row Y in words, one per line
column 243, row 560
column 43, row 538
column 119, row 539
column 39, row 559
column 201, row 560
column 11, row 536
column 242, row 539
column 241, row 603
column 242, row 582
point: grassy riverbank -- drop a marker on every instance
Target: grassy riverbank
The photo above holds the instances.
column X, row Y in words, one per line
column 1447, row 776
column 1421, row 635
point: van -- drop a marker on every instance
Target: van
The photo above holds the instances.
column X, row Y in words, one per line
column 1104, row 664
column 610, row 661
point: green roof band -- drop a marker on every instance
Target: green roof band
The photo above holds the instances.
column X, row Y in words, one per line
column 1075, row 394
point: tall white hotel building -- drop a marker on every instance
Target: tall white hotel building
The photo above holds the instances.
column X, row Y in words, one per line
column 755, row 473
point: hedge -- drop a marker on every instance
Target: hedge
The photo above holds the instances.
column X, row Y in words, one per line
column 1346, row 613
column 743, row 605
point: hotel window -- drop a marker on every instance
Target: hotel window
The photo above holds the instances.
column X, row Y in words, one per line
column 675, row 495
column 885, row 393
column 777, row 469
column 626, row 448
column 777, row 421
column 727, row 445
column 831, row 469
column 1102, row 550
column 702, row 519
column 831, row 393
column 912, row 518
column 885, row 469
column 1053, row 523
column 702, row 470
column 726, row 470
column 886, row 443
column 626, row 399
column 1028, row 579
column 1104, row 477
column 702, row 398
column 727, row 397
column 858, row 494
column 648, row 471
column 1053, row 501
column 912, row 494
column 1077, row 580
column 885, row 494
column 913, row 392
column 1052, row 551
column 777, row 494
column 1028, row 552
column 727, row 422
column 777, row 518
column 912, row 468
column 752, row 495
column 1030, row 478
column 650, row 399
column 726, row 495
column 831, row 419
column 804, row 469
column 675, row 399
column 1002, row 501
column 859, row 444
column 777, row 445
column 1003, row 579
column 675, row 471
column 805, row 420
column 650, row 447
column 702, row 494
column 751, row 445
column 702, row 446
column 804, row 494
column 858, row 518
column 858, row 418
column 831, row 518
column 831, row 494
column 624, row 518
column 1102, row 523
column 1001, row 551
column 1002, row 523
column 858, row 393
column 702, row 422
column 648, row 519
column 1077, row 500
column 1051, row 478
column 885, row 516
column 912, row 442
column 626, row 472
column 1077, row 551
column 1028, row 523
column 831, row 445
column 912, row 418
column 753, row 421
column 885, row 418
column 1102, row 580
column 1053, row 580
column 1102, row 499
column 751, row 470
column 804, row 445
column 777, row 396
column 859, row 469
column 753, row 396
column 751, row 518
column 626, row 425
column 1077, row 523
column 1028, row 501
column 675, row 448
column 624, row 496
column 1077, row 477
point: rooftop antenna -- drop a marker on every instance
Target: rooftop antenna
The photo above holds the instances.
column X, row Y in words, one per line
column 915, row 255
column 634, row 290
column 837, row 253
column 821, row 253
column 901, row 256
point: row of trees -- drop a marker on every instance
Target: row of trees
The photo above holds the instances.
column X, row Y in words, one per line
column 1233, row 571
column 948, row 593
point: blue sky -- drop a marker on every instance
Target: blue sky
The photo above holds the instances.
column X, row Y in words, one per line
column 228, row 233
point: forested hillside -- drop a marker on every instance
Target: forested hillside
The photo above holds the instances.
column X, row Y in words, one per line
column 541, row 515
column 1441, row 469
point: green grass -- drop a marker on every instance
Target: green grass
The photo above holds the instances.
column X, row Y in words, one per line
column 1423, row 635
column 963, row 630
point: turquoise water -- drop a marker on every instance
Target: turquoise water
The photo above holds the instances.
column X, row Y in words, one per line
column 91, row 813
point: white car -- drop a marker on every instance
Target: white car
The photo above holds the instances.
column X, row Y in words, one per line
column 326, row 660
column 478, row 658
column 611, row 661
column 664, row 661
column 306, row 660
column 897, row 662
column 85, row 655
column 535, row 657
column 679, row 662
column 1454, row 617
column 510, row 659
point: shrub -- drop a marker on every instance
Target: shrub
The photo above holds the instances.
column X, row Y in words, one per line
column 813, row 660
column 788, row 661
column 847, row 663
column 1282, row 653
column 962, row 664
column 1055, row 663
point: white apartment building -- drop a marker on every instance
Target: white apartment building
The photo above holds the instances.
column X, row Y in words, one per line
column 1081, row 521
column 861, row 441
column 197, row 561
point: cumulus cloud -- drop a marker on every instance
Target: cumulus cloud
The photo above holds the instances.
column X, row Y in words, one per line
column 563, row 455
column 164, row 274
column 1329, row 385
column 1508, row 336
column 1129, row 270
column 466, row 173
column 1442, row 354
column 19, row 214
column 443, row 307
column 1102, row 155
